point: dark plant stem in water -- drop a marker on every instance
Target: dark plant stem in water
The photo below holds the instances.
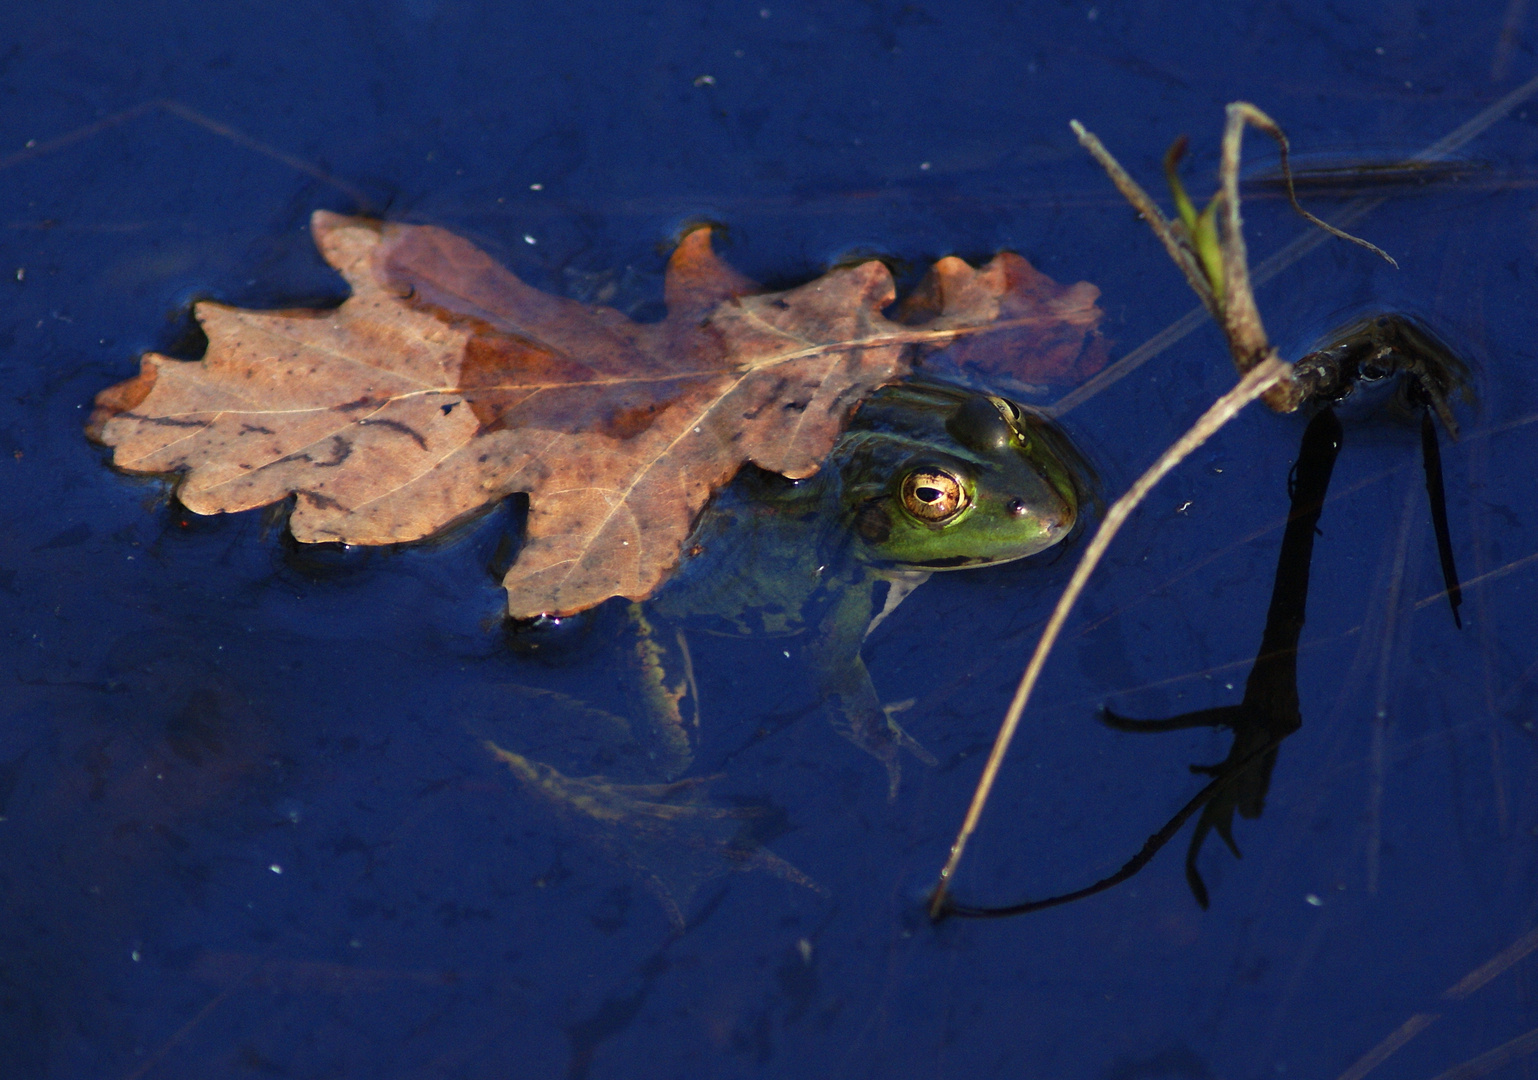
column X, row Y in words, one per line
column 1431, row 455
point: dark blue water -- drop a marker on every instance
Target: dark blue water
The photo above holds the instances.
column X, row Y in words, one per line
column 248, row 827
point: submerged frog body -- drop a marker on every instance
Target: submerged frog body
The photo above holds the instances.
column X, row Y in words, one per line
column 928, row 477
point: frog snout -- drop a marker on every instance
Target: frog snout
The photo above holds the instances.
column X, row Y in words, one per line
column 1057, row 524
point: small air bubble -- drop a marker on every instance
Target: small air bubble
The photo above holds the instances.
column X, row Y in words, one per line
column 1313, row 901
column 275, row 868
column 527, row 239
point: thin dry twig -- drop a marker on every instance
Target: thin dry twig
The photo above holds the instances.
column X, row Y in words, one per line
column 1241, row 113
column 1209, row 248
column 1242, row 327
column 1259, row 379
column 1497, row 965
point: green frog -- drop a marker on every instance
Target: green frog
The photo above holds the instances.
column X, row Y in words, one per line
column 928, row 477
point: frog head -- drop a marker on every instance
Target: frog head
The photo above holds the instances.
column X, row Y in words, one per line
column 938, row 477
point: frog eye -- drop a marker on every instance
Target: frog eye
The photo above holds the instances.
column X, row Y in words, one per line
column 934, row 495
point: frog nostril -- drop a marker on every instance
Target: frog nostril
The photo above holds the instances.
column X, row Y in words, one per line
column 1017, row 507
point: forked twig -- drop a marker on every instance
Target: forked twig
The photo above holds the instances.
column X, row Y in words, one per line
column 1209, row 248
column 1290, row 253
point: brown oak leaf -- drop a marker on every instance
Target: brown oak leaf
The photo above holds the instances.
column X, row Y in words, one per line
column 444, row 383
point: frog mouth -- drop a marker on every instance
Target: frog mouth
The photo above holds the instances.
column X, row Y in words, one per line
column 1054, row 527
column 1059, row 527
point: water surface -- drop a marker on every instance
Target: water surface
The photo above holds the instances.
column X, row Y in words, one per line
column 247, row 824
